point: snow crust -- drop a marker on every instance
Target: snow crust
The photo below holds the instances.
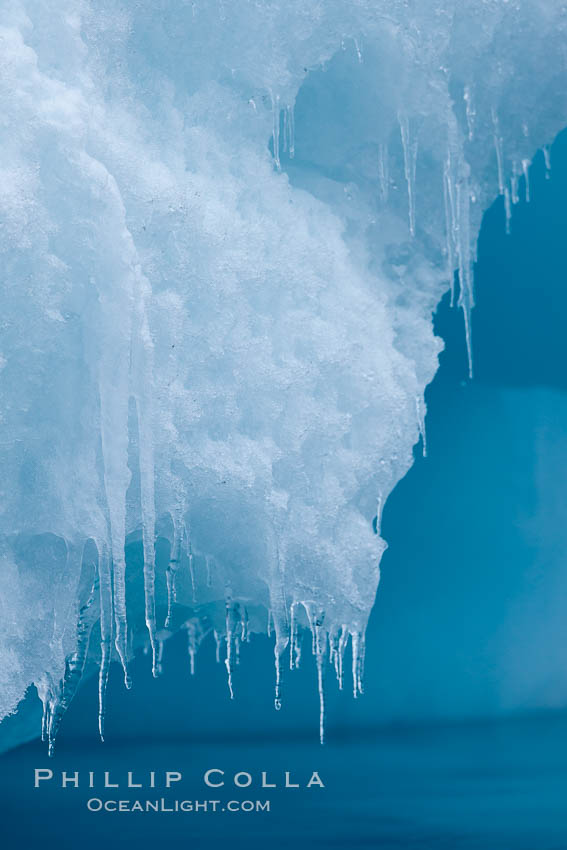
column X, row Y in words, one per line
column 224, row 228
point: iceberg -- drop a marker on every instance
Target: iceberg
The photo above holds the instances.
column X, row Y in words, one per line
column 225, row 227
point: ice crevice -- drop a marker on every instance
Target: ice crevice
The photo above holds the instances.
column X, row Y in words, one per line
column 222, row 255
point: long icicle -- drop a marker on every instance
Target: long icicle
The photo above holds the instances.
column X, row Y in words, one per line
column 232, row 620
column 173, row 566
column 358, row 647
column 142, row 379
column 75, row 663
column 291, row 130
column 410, row 148
column 320, row 654
column 106, row 624
column 449, row 200
column 457, row 174
column 119, row 605
column 421, row 424
column 526, row 172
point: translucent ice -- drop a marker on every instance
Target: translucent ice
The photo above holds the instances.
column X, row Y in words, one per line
column 224, row 228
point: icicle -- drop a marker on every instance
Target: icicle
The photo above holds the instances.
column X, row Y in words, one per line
column 192, row 645
column 410, row 162
column 457, row 173
column 361, row 659
column 290, row 122
column 114, row 439
column 421, row 424
column 379, row 509
column 47, row 691
column 278, row 612
column 174, row 564
column 142, row 379
column 470, row 111
column 44, row 689
column 449, row 199
column 161, row 636
column 547, row 160
column 295, row 638
column 358, row 51
column 466, row 296
column 195, row 636
column 218, row 641
column 106, row 621
column 337, row 643
column 281, row 628
column 298, row 650
column 269, row 626
column 113, row 391
column 320, row 654
column 358, row 646
column 383, row 171
column 341, row 653
column 507, row 209
column 515, row 185
column 149, row 597
column 276, row 129
column 293, row 629
column 75, row 663
column 244, row 625
column 334, row 641
column 526, row 171
column 319, row 648
column 208, row 567
column 161, row 644
column 232, row 619
column 121, row 339
column 44, row 718
column 499, row 151
column 54, row 714
column 119, row 597
column 289, row 131
column 278, row 690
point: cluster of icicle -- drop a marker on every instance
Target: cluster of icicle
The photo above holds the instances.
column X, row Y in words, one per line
column 328, row 646
column 106, row 601
column 213, row 339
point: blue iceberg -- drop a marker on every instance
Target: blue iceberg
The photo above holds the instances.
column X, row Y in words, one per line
column 225, row 228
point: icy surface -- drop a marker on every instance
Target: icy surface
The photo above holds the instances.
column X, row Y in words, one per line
column 224, row 227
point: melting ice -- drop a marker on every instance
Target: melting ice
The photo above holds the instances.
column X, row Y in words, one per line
column 224, row 228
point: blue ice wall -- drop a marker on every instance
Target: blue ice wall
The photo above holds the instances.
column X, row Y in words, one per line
column 470, row 621
column 230, row 345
